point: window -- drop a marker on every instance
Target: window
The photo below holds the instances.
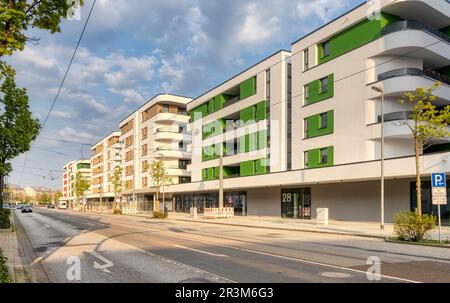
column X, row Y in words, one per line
column 268, row 84
column 306, row 92
column 323, row 155
column 323, row 85
column 144, row 166
column 305, row 59
column 181, row 145
column 325, row 48
column 305, row 127
column 181, row 129
column 323, row 120
column 184, row 179
column 306, row 158
column 165, row 108
column 144, row 150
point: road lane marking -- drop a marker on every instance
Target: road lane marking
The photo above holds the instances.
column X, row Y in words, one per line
column 284, row 257
column 200, row 251
column 36, row 261
column 103, row 267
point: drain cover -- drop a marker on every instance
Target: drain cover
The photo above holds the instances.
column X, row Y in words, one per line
column 330, row 274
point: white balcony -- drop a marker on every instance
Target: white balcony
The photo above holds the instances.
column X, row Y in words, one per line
column 170, row 117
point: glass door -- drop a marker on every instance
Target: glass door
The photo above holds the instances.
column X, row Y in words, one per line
column 296, row 203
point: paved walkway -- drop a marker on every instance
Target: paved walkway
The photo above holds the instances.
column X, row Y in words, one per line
column 366, row 229
column 10, row 247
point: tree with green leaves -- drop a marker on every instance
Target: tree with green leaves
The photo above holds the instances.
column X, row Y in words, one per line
column 18, row 16
column 81, row 185
column 159, row 177
column 17, row 126
column 56, row 196
column 426, row 123
column 118, row 186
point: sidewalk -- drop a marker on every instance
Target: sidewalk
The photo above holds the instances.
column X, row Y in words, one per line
column 10, row 247
column 364, row 229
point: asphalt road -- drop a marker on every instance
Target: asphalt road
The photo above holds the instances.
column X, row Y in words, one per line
column 141, row 249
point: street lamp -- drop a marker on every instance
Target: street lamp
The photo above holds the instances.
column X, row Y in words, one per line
column 380, row 90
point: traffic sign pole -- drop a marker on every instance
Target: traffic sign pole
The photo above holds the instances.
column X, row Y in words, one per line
column 439, row 220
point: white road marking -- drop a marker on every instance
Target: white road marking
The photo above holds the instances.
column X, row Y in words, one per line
column 200, row 251
column 103, row 267
column 284, row 257
column 46, row 226
column 36, row 261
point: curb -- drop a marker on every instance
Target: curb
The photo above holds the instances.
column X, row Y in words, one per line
column 416, row 243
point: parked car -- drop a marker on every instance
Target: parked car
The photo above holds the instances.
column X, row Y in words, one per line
column 50, row 206
column 27, row 209
column 19, row 207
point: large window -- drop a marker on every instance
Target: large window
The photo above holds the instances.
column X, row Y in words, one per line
column 306, row 93
column 306, row 158
column 165, row 108
column 237, row 200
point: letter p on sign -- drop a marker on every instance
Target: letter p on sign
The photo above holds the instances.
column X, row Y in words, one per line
column 438, row 180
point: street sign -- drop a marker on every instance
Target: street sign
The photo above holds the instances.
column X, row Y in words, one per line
column 438, row 180
column 439, row 194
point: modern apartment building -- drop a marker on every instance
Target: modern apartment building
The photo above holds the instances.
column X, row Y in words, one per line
column 156, row 131
column 70, row 171
column 106, row 156
column 301, row 131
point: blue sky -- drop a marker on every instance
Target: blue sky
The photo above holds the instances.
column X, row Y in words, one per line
column 135, row 49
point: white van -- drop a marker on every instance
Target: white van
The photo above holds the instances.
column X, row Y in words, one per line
column 62, row 205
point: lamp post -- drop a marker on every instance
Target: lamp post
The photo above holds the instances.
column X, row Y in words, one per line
column 380, row 90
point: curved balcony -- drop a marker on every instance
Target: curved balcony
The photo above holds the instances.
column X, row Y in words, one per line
column 421, row 40
column 395, row 116
column 169, row 152
column 170, row 117
column 414, row 25
column 397, row 82
column 169, row 136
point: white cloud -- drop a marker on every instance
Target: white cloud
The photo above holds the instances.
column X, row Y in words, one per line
column 257, row 28
column 324, row 9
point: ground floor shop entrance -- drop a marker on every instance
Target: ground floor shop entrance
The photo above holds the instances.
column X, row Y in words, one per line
column 296, row 203
column 237, row 200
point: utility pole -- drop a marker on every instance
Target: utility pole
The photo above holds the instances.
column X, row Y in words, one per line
column 221, row 175
column 381, row 90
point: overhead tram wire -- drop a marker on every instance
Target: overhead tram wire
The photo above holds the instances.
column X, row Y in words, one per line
column 63, row 80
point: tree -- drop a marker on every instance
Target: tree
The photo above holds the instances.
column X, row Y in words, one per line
column 18, row 16
column 159, row 176
column 56, row 196
column 425, row 123
column 81, row 185
column 17, row 126
column 167, row 181
column 117, row 185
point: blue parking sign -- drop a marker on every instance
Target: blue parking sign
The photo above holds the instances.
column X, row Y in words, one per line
column 438, row 180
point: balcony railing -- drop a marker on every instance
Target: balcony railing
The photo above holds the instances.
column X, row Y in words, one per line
column 401, row 72
column 167, row 130
column 396, row 116
column 414, row 25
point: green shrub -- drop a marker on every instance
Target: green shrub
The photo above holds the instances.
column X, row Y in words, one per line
column 7, row 211
column 4, row 274
column 410, row 226
column 117, row 211
column 4, row 220
column 159, row 215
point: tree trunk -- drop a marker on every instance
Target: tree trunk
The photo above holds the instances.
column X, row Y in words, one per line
column 1, row 191
column 418, row 180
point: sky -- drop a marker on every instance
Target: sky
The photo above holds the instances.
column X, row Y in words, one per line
column 135, row 49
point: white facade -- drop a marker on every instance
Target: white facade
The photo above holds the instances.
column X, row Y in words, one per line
column 156, row 131
column 339, row 161
column 70, row 171
column 106, row 156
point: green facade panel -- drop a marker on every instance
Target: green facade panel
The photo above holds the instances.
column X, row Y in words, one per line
column 316, row 94
column 213, row 128
column 261, row 111
column 355, row 36
column 446, row 30
column 229, row 171
column 247, row 168
column 262, row 139
column 314, row 160
column 247, row 115
column 247, row 88
column 199, row 112
column 314, row 125
column 261, row 166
